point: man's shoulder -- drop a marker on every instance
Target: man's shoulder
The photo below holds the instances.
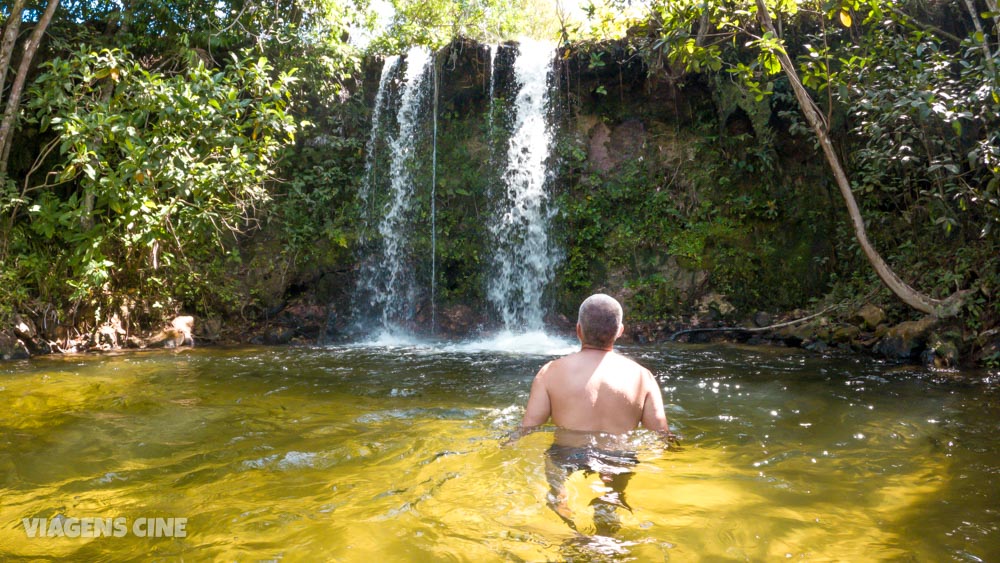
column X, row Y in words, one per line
column 629, row 361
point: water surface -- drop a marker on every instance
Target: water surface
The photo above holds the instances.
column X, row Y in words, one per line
column 393, row 452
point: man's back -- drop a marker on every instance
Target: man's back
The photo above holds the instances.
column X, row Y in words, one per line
column 594, row 397
column 596, row 391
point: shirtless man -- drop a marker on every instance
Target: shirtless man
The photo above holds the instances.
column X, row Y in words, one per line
column 594, row 397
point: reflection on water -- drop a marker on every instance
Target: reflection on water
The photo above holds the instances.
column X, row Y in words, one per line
column 394, row 451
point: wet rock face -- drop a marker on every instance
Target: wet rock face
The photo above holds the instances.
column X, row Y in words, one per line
column 597, row 150
column 458, row 320
column 610, row 147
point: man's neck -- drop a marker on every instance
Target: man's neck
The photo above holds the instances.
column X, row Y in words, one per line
column 598, row 348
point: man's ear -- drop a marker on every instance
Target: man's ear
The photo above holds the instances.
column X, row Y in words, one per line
column 621, row 331
column 579, row 332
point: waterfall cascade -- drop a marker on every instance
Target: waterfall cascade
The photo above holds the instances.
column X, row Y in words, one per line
column 389, row 69
column 523, row 260
column 387, row 282
column 492, row 92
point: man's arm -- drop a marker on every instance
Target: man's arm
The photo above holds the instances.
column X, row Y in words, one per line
column 539, row 408
column 653, row 416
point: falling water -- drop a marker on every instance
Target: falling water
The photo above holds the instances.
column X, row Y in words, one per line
column 523, row 260
column 388, row 281
column 434, row 206
column 492, row 93
column 389, row 69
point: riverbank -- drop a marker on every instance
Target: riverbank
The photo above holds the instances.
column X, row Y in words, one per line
column 865, row 331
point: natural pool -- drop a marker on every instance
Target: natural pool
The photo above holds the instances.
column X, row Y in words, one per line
column 392, row 452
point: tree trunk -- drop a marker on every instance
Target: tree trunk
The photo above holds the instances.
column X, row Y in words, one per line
column 987, row 55
column 703, row 26
column 9, row 38
column 14, row 100
column 995, row 10
column 904, row 292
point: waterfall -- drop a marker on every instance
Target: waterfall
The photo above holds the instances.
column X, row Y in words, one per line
column 387, row 282
column 492, row 92
column 389, row 69
column 523, row 261
column 434, row 152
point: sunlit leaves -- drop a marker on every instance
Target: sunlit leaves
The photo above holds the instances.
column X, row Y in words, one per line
column 153, row 158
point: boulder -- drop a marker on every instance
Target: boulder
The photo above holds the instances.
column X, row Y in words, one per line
column 106, row 337
column 210, row 330
column 279, row 335
column 795, row 335
column 27, row 332
column 762, row 319
column 906, row 340
column 12, row 348
column 184, row 325
column 715, row 305
column 179, row 334
column 24, row 328
column 845, row 334
column 990, row 354
column 941, row 352
column 868, row 317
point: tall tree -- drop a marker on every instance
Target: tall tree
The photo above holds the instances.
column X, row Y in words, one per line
column 13, row 104
column 901, row 289
column 690, row 45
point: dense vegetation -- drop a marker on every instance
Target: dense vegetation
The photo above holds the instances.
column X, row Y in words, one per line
column 205, row 157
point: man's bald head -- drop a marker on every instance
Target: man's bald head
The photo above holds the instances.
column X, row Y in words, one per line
column 600, row 320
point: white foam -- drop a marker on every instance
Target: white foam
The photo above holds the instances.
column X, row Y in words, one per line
column 389, row 338
column 533, row 343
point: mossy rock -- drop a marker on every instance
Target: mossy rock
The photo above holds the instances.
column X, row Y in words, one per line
column 846, row 334
column 869, row 316
column 906, row 340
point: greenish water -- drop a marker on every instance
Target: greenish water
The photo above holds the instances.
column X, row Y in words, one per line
column 367, row 453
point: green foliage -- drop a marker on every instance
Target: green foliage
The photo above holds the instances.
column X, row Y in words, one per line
column 147, row 169
column 435, row 23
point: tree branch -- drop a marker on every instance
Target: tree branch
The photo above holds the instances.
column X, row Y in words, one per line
column 9, row 38
column 14, row 100
column 904, row 292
